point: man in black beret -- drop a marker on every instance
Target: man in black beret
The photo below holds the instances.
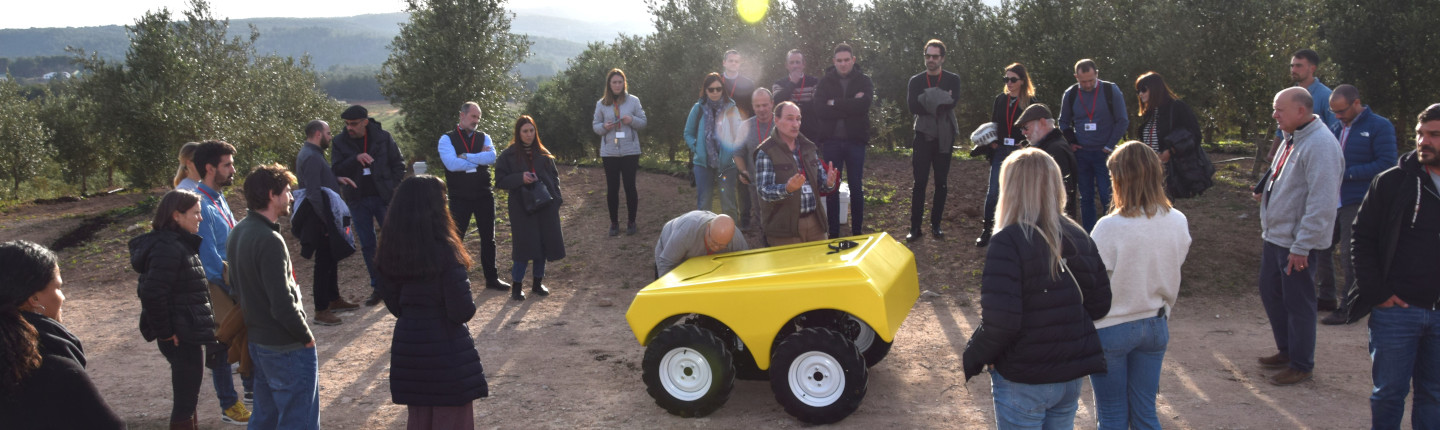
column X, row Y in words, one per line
column 367, row 156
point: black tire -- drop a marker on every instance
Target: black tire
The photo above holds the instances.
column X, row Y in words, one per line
column 818, row 376
column 871, row 346
column 745, row 367
column 688, row 371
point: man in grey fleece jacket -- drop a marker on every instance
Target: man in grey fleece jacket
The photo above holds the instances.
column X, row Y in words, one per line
column 282, row 348
column 1298, row 198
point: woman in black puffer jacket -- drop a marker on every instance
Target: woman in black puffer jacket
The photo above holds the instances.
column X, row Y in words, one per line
column 1036, row 328
column 174, row 297
column 424, row 281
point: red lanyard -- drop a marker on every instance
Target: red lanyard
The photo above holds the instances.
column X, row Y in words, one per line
column 367, row 142
column 1344, row 136
column 761, row 139
column 458, row 132
column 927, row 81
column 800, row 165
column 1010, row 112
column 1283, row 159
column 1091, row 113
column 724, row 81
column 217, row 207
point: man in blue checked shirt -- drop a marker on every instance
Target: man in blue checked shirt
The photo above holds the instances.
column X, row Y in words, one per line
column 791, row 212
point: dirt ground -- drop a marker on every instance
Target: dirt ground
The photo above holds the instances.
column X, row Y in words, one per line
column 570, row 361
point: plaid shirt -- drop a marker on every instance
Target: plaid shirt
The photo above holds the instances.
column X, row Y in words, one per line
column 772, row 191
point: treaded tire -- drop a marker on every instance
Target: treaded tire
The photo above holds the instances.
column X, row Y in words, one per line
column 818, row 376
column 688, row 371
column 871, row 346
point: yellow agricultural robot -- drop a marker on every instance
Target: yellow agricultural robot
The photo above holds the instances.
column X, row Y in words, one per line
column 810, row 318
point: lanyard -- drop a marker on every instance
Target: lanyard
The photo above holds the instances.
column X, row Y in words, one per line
column 1289, row 146
column 1091, row 113
column 1010, row 111
column 367, row 142
column 217, row 207
column 1344, row 135
column 799, row 165
column 724, row 81
column 927, row 81
column 761, row 139
column 458, row 132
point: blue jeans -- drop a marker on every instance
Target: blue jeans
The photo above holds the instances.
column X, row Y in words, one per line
column 727, row 178
column 992, row 193
column 1125, row 393
column 368, row 214
column 1289, row 301
column 849, row 159
column 1093, row 176
column 288, row 393
column 220, row 375
column 1405, row 343
column 517, row 272
column 1040, row 406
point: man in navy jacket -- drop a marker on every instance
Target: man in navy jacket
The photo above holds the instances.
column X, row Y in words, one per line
column 1368, row 141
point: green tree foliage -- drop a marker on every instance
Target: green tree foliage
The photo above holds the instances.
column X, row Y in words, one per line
column 452, row 51
column 564, row 106
column 80, row 152
column 1386, row 48
column 189, row 80
column 23, row 139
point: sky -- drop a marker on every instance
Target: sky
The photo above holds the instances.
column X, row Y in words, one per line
column 87, row 13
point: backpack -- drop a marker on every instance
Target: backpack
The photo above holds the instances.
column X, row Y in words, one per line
column 1103, row 90
column 1191, row 172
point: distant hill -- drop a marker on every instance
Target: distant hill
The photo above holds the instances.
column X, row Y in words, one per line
column 361, row 40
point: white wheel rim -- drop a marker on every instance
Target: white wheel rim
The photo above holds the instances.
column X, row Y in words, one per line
column 864, row 336
column 685, row 374
column 816, row 379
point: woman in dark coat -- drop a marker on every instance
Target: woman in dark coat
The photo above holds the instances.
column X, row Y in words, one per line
column 43, row 384
column 1043, row 286
column 1160, row 114
column 1018, row 93
column 175, row 297
column 534, row 237
column 424, row 281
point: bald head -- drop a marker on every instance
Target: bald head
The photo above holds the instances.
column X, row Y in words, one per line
column 721, row 230
column 1293, row 109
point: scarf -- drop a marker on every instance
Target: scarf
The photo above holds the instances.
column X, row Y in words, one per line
column 711, row 111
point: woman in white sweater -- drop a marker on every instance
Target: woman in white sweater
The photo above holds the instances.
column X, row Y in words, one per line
column 618, row 118
column 1143, row 242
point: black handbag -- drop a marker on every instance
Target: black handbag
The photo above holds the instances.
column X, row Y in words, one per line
column 1190, row 169
column 536, row 196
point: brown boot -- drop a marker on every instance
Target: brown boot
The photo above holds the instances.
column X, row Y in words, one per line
column 326, row 317
column 185, row 424
column 1290, row 377
column 1277, row 361
column 342, row 305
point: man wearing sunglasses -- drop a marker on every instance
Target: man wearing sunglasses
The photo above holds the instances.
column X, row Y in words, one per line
column 932, row 95
column 367, row 156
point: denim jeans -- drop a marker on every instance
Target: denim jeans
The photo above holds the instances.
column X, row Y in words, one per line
column 1125, row 393
column 727, row 179
column 221, row 377
column 1038, row 406
column 849, row 159
column 517, row 272
column 287, row 394
column 992, row 192
column 368, row 214
column 1324, row 262
column 1094, row 176
column 1405, row 343
column 1289, row 301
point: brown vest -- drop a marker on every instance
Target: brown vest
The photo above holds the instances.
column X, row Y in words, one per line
column 782, row 218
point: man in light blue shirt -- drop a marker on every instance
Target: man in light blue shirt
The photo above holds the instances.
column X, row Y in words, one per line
column 468, row 154
column 1093, row 118
column 215, row 161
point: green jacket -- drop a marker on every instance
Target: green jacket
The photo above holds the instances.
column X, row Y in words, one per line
column 261, row 276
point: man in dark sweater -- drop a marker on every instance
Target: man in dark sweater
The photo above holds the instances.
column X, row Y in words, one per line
column 797, row 87
column 932, row 95
column 842, row 106
column 1396, row 242
column 468, row 154
column 737, row 87
column 366, row 155
column 315, row 176
column 282, row 347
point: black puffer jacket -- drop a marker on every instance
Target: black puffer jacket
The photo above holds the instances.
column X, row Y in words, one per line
column 1036, row 329
column 433, row 361
column 174, row 295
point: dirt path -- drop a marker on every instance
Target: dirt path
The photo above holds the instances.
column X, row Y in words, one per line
column 570, row 360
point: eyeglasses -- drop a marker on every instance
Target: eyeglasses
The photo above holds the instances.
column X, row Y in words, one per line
column 715, row 89
column 1009, row 79
column 933, row 56
column 1142, row 90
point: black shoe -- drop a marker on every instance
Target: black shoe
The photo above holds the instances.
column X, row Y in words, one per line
column 516, row 291
column 1326, row 304
column 984, row 239
column 1339, row 317
column 914, row 235
column 630, row 229
column 539, row 288
column 614, row 229
column 372, row 300
column 496, row 284
column 935, row 230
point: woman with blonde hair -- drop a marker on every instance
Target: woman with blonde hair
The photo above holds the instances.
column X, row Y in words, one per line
column 1042, row 286
column 186, row 178
column 1017, row 94
column 1143, row 242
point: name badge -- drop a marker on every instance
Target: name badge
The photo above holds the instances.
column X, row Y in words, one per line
column 1009, row 141
column 367, row 171
column 619, row 135
column 1365, row 133
column 471, row 171
column 1089, row 126
column 805, row 188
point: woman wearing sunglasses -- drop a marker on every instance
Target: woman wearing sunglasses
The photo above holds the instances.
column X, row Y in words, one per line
column 1161, row 113
column 712, row 133
column 1017, row 94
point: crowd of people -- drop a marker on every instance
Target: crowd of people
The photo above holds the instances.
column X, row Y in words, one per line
column 1082, row 263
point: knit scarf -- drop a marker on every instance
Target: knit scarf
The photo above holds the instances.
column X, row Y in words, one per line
column 711, row 111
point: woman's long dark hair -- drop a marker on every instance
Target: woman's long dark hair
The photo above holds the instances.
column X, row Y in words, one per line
column 25, row 269
column 515, row 136
column 174, row 201
column 1160, row 94
column 418, row 240
column 713, row 77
